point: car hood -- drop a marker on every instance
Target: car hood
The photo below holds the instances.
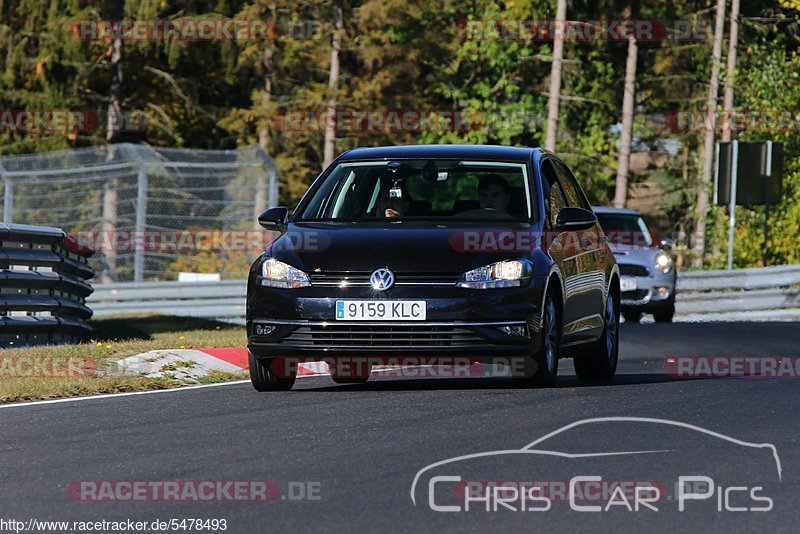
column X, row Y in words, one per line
column 402, row 246
column 645, row 256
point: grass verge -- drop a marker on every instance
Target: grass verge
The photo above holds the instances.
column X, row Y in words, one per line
column 55, row 371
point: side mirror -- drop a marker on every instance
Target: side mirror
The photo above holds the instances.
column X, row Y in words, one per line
column 665, row 243
column 571, row 218
column 274, row 219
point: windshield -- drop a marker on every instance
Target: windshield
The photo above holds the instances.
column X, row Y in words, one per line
column 422, row 190
column 624, row 229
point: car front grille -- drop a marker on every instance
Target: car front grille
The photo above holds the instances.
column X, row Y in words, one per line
column 381, row 337
column 350, row 279
column 637, row 294
column 627, row 269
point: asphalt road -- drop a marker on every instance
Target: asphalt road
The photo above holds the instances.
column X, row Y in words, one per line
column 357, row 449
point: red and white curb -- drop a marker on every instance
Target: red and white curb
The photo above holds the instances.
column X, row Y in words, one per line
column 191, row 364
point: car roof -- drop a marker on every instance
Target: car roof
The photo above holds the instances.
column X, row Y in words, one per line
column 618, row 211
column 479, row 152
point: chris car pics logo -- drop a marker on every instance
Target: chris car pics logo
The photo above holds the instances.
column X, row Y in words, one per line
column 568, row 470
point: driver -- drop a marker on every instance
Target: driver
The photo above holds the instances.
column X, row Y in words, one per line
column 494, row 193
column 393, row 207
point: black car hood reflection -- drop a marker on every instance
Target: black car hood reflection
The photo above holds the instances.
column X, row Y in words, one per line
column 403, row 246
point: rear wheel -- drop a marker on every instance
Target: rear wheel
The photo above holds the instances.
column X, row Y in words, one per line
column 264, row 378
column 632, row 317
column 541, row 369
column 601, row 363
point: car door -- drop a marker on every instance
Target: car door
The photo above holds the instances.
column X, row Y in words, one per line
column 588, row 287
column 560, row 247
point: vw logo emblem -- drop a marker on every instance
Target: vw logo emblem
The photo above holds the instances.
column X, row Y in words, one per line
column 381, row 279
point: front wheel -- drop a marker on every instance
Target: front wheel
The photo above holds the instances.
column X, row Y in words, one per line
column 264, row 378
column 601, row 363
column 541, row 369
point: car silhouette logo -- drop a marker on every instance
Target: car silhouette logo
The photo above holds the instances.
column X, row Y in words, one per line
column 381, row 279
column 541, row 448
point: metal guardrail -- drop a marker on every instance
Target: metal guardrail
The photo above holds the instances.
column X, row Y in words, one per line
column 742, row 290
column 43, row 287
column 222, row 300
column 130, row 198
column 703, row 292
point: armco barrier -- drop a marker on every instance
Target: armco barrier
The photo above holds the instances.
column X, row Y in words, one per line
column 43, row 287
column 221, row 300
column 769, row 292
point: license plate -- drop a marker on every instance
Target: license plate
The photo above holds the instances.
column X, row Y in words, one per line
column 380, row 310
column 627, row 284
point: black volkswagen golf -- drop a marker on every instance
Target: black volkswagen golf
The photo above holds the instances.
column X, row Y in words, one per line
column 473, row 253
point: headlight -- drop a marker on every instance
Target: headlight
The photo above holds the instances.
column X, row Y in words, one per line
column 275, row 273
column 664, row 263
column 511, row 273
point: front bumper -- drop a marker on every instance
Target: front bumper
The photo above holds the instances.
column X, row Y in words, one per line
column 652, row 292
column 460, row 323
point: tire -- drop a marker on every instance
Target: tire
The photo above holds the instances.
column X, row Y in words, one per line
column 665, row 314
column 541, row 369
column 601, row 363
column 264, row 378
column 632, row 317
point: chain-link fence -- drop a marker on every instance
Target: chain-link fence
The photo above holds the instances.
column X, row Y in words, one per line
column 151, row 213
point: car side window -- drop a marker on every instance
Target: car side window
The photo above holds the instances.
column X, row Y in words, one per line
column 574, row 194
column 554, row 198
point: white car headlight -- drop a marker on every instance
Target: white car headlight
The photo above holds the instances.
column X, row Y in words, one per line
column 664, row 263
column 509, row 273
column 275, row 273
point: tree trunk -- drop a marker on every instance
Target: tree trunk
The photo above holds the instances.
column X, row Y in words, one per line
column 732, row 42
column 114, row 119
column 260, row 203
column 621, row 192
column 333, row 83
column 555, row 77
column 113, row 123
column 701, row 208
